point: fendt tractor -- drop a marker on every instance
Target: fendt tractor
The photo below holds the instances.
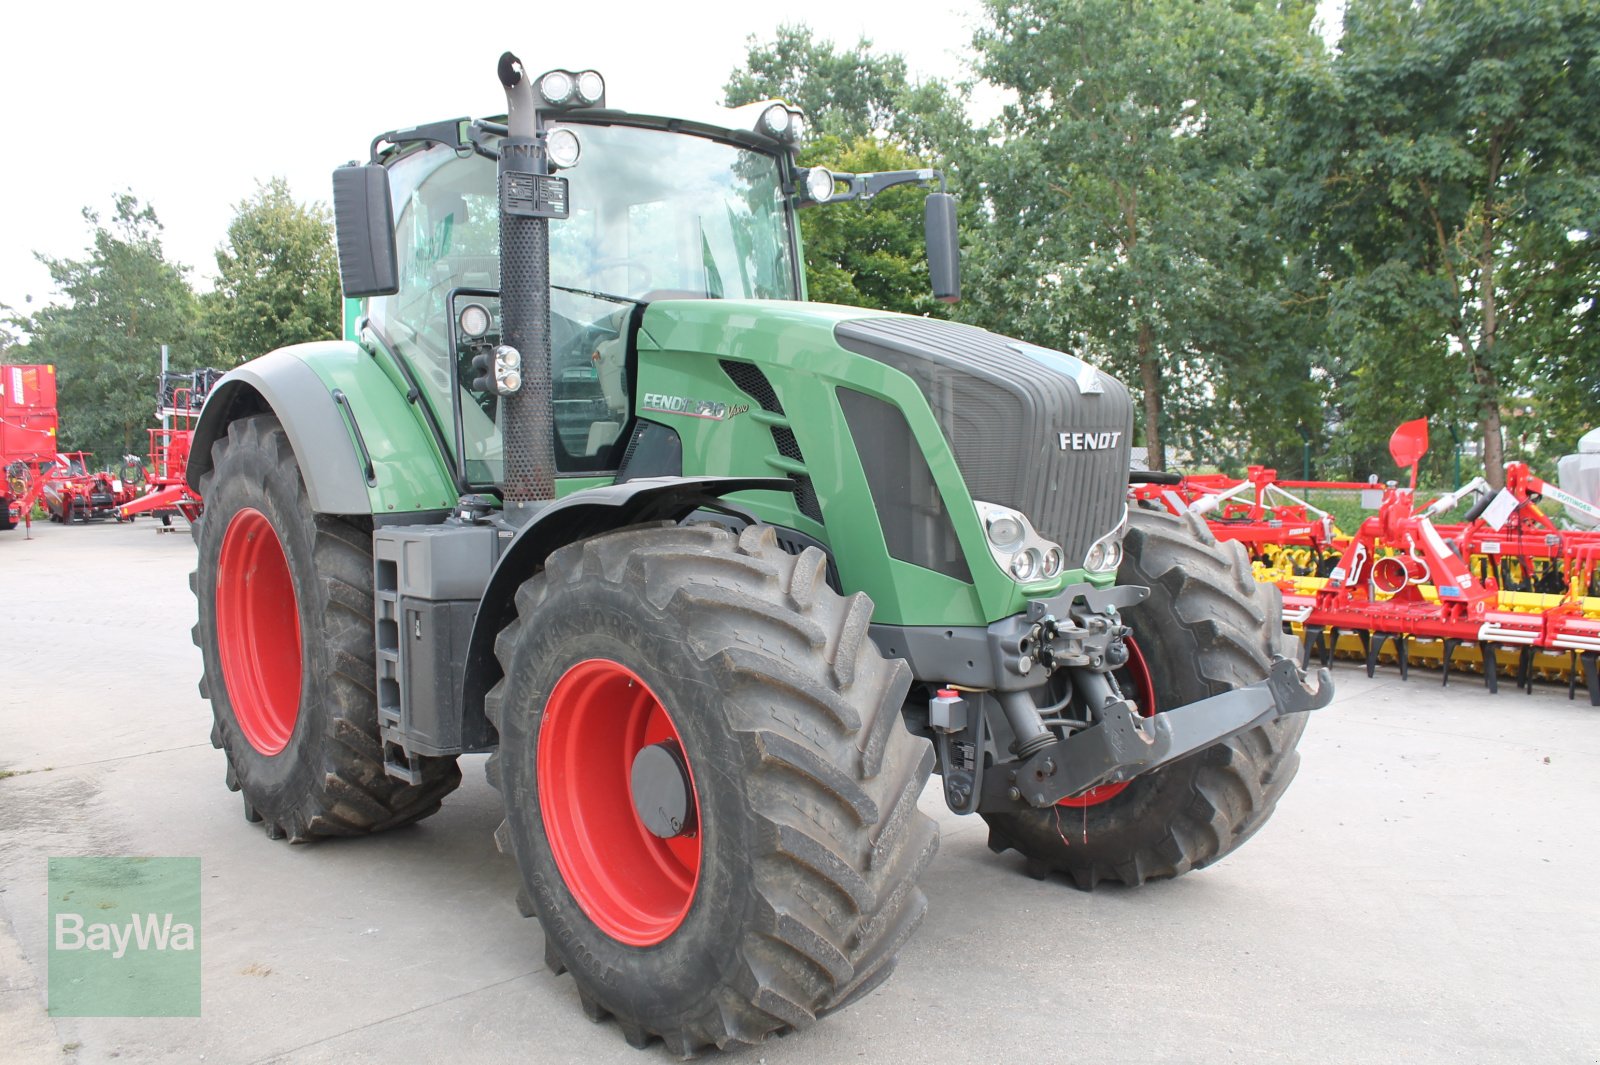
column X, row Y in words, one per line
column 718, row 575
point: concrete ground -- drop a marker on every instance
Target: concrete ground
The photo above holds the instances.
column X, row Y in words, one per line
column 1426, row 892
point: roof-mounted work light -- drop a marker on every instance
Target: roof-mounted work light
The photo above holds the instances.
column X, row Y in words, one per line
column 568, row 89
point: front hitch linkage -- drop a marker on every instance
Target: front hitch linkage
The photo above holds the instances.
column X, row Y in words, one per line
column 1124, row 745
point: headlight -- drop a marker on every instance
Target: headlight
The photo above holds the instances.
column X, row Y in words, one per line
column 507, row 369
column 819, row 184
column 563, row 148
column 474, row 320
column 1025, row 565
column 556, row 87
column 1105, row 554
column 591, row 87
column 1006, row 530
column 775, row 120
column 1016, row 547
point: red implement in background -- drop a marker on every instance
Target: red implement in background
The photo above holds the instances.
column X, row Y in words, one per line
column 27, row 437
column 180, row 398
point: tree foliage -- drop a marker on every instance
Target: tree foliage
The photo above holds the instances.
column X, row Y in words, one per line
column 865, row 116
column 1124, row 191
column 277, row 277
column 121, row 302
column 1448, row 189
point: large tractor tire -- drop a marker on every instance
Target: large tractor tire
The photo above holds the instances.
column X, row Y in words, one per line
column 1207, row 628
column 723, row 679
column 286, row 634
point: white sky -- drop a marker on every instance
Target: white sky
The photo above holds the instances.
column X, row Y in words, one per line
column 190, row 104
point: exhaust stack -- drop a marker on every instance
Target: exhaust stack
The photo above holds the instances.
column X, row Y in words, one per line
column 527, row 415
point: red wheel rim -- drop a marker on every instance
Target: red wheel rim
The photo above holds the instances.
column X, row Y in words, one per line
column 635, row 886
column 1144, row 697
column 258, row 632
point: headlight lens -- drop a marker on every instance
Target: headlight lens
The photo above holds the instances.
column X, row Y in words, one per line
column 591, row 86
column 775, row 120
column 563, row 147
column 1005, row 530
column 1016, row 547
column 1025, row 565
column 1105, row 554
column 819, row 184
column 556, row 87
column 474, row 320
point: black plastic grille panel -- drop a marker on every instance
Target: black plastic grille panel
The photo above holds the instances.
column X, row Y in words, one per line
column 1003, row 411
column 749, row 379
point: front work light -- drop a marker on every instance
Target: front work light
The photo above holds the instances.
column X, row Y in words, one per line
column 775, row 121
column 819, row 184
column 556, row 87
column 591, row 87
column 563, row 148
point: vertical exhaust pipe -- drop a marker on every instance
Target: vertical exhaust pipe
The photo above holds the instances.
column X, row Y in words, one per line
column 526, row 416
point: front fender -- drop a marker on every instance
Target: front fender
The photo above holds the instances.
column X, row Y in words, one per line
column 297, row 385
column 577, row 517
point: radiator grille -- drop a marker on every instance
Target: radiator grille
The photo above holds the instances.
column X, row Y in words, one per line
column 1003, row 406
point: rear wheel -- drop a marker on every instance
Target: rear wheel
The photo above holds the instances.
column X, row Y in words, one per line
column 709, row 792
column 286, row 634
column 1208, row 627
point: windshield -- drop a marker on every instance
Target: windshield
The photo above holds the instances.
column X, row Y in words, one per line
column 654, row 215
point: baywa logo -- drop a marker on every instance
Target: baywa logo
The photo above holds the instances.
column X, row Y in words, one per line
column 124, row 937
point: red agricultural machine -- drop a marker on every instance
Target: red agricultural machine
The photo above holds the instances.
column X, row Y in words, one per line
column 27, row 437
column 1504, row 589
column 73, row 491
column 179, row 400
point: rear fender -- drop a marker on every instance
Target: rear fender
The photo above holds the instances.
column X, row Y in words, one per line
column 369, row 452
column 577, row 517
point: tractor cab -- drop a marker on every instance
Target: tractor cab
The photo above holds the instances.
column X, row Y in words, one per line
column 649, row 209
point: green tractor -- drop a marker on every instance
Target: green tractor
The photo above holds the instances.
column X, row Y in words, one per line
column 719, row 576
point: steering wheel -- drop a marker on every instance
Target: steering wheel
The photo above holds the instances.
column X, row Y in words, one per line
column 645, row 275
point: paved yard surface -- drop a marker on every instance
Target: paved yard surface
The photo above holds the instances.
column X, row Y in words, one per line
column 1429, row 890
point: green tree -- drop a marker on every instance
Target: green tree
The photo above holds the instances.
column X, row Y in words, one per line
column 1126, row 197
column 277, row 276
column 865, row 116
column 848, row 94
column 1450, row 156
column 868, row 254
column 120, row 303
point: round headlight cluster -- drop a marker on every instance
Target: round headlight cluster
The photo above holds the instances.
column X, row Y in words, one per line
column 780, row 122
column 507, row 369
column 565, row 88
column 1015, row 546
column 1105, row 554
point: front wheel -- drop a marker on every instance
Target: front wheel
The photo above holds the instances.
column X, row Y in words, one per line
column 708, row 789
column 286, row 635
column 1206, row 628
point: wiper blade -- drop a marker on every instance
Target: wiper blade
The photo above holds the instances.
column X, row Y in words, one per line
column 612, row 296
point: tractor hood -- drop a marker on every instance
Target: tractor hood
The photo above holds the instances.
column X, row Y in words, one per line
column 1036, row 430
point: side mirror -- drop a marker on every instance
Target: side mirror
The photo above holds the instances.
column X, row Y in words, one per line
column 363, row 219
column 944, row 246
